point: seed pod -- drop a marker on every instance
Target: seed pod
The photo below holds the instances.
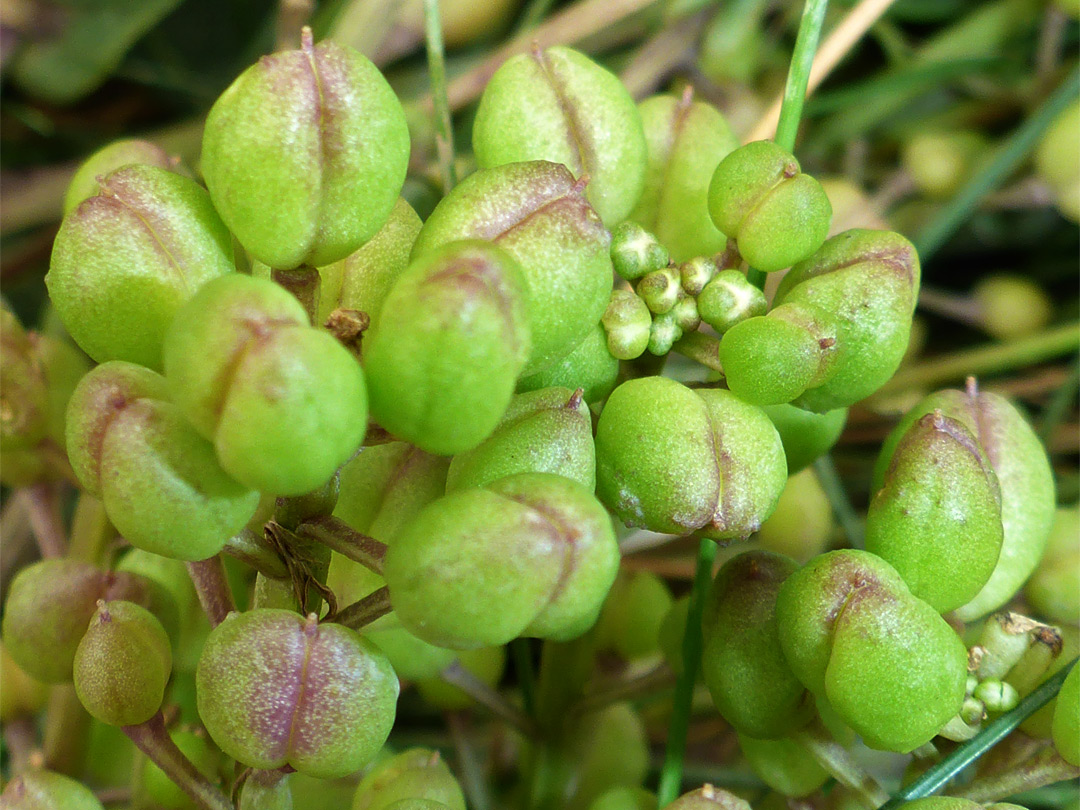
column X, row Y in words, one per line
column 760, row 198
column 678, row 461
column 708, row 798
column 1057, row 164
column 868, row 282
column 284, row 404
column 480, row 567
column 612, row 749
column 122, row 664
column 625, row 798
column 633, row 613
column 686, row 141
column 939, row 163
column 547, row 431
column 22, row 695
column 1066, row 728
column 802, row 524
column 889, row 665
column 1019, row 461
column 660, row 290
column 452, row 339
column 784, row 765
column 162, row 790
column 628, row 323
column 539, row 216
column 635, row 251
column 305, row 154
column 277, row 689
column 729, row 299
column 1051, row 590
column 160, row 481
column 591, row 367
column 937, row 519
column 125, row 260
column 1011, row 306
column 806, row 435
column 415, row 774
column 559, row 105
column 45, row 790
column 116, row 155
column 742, row 664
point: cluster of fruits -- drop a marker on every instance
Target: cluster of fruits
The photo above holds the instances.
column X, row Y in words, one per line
column 229, row 412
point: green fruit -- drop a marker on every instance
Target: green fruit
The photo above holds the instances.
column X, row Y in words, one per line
column 889, row 665
column 165, row 793
column 415, row 774
column 624, row 798
column 122, row 664
column 546, row 431
column 686, row 141
column 1056, row 161
column 1051, row 590
column 22, row 695
column 633, row 613
column 937, row 519
column 760, row 198
column 452, row 338
column 802, row 523
column 480, row 567
column 126, row 260
column 118, row 154
column 939, row 163
column 24, row 414
column 276, row 689
column 559, row 105
column 590, row 367
column 45, row 790
column 612, row 750
column 742, row 663
column 784, row 765
column 1011, row 306
column 540, row 217
column 1066, row 728
column 806, row 435
column 412, row 658
column 678, row 461
column 708, row 798
column 305, row 154
column 487, row 664
column 160, row 481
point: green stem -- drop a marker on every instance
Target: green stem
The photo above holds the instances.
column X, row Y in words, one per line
column 671, row 772
column 523, row 667
column 841, row 505
column 1058, row 406
column 799, row 73
column 1015, row 149
column 364, row 611
column 90, row 530
column 935, row 778
column 444, row 128
column 212, row 587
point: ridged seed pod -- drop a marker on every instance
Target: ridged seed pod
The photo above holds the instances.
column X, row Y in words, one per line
column 590, row 367
column 116, row 155
column 45, row 790
column 416, row 774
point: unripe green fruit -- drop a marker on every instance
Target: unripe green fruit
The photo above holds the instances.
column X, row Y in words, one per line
column 802, row 523
column 591, row 367
column 275, row 688
column 686, row 141
column 997, row 696
column 559, row 105
column 760, row 198
column 628, row 324
column 678, row 461
column 624, row 798
column 486, row 664
column 806, row 435
column 415, row 774
column 635, row 251
column 784, row 765
column 125, row 260
column 160, row 481
column 284, row 404
column 889, row 665
column 122, row 664
column 1011, row 306
column 937, row 519
column 708, row 798
column 45, row 790
column 1052, row 590
column 1023, row 472
column 612, row 750
column 1066, row 728
column 546, row 431
column 728, row 299
column 635, row 608
column 22, row 695
column 540, row 217
column 480, row 567
column 452, row 338
column 305, row 154
column 116, row 155
column 940, row 162
column 741, row 662
column 1057, row 163
column 165, row 793
column 868, row 282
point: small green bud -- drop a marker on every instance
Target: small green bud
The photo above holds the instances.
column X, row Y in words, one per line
column 635, row 251
column 86, row 181
column 628, row 323
column 663, row 333
column 685, row 313
column 659, row 290
column 591, row 367
column 415, row 774
column 45, row 790
column 969, row 687
column 696, row 273
column 972, row 711
column 728, row 299
column 997, row 696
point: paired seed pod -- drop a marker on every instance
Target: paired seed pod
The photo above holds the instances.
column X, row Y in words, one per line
column 590, row 367
column 44, row 790
column 806, row 435
column 417, row 774
column 86, row 182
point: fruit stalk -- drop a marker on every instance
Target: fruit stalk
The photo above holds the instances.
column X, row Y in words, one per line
column 208, row 577
column 444, row 127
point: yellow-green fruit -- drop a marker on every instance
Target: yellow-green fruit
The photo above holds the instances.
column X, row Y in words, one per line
column 1052, row 590
column 21, row 694
column 802, row 522
column 612, row 751
column 486, row 663
column 116, row 155
column 1057, row 161
column 1066, row 728
column 633, row 613
column 45, row 790
column 940, row 162
column 784, row 765
column 708, row 798
column 463, row 21
column 1011, row 306
column 415, row 774
column 590, row 367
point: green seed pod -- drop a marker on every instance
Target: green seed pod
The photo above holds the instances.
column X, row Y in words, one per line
column 686, row 141
column 624, row 798
column 937, row 519
column 452, row 338
column 284, row 404
column 125, row 260
column 663, row 333
column 728, row 299
column 628, row 323
column 486, row 664
column 741, row 660
column 1052, row 590
column 1024, row 477
column 416, row 774
column 612, row 750
column 678, row 461
column 1066, row 728
column 160, row 481
column 760, row 198
column 868, row 281
column 695, row 273
column 939, row 163
column 412, row 658
column 635, row 608
column 122, row 664
column 784, row 765
column 635, row 251
column 806, row 435
column 708, row 798
column 559, row 105
column 50, row 604
column 118, row 154
column 305, row 154
column 45, row 790
column 802, row 522
column 591, row 367
column 1011, row 306
column 275, row 688
column 1057, row 163
column 660, row 290
column 480, row 567
column 163, row 791
column 266, row 790
column 539, row 215
column 22, row 695
column 548, row 431
column 889, row 665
